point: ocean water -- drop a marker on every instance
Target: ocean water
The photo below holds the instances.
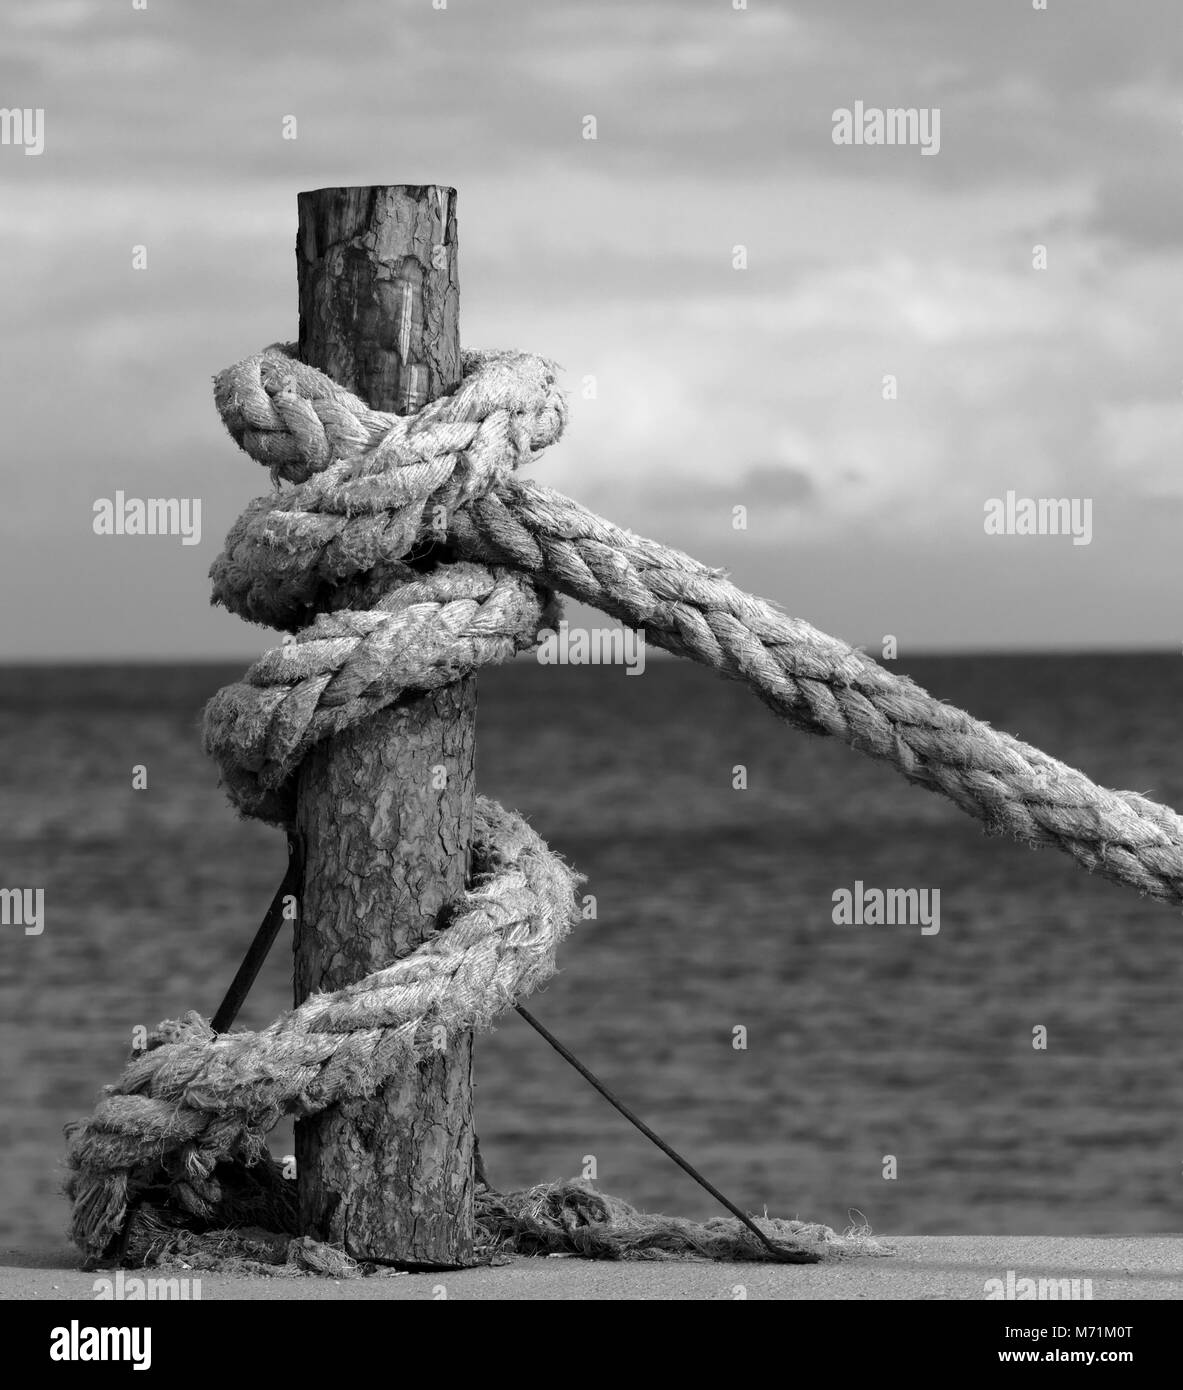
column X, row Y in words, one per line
column 714, row 914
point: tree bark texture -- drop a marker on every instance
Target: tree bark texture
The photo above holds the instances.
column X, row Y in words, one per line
column 386, row 808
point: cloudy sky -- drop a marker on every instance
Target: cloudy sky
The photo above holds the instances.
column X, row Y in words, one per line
column 717, row 386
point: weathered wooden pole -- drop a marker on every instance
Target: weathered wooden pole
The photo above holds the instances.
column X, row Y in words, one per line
column 386, row 808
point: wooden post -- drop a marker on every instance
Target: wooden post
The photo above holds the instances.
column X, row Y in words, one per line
column 386, row 808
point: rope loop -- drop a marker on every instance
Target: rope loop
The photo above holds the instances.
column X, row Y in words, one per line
column 341, row 560
column 331, row 557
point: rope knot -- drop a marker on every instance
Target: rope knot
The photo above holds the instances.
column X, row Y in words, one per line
column 332, row 558
column 339, row 561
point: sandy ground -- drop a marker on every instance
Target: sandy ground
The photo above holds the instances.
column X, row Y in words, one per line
column 923, row 1267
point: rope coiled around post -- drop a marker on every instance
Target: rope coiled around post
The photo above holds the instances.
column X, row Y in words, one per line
column 194, row 1099
column 288, row 545
column 331, row 560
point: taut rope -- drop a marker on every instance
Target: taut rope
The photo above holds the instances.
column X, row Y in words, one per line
column 330, row 559
column 357, row 516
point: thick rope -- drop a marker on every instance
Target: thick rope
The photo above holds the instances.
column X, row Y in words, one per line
column 372, row 485
column 195, row 1099
column 332, row 559
column 426, row 633
column 819, row 684
column 373, row 489
column 293, row 542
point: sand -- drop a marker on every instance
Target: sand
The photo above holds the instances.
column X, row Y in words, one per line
column 923, row 1267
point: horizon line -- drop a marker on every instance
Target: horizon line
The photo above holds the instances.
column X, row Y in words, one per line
column 652, row 653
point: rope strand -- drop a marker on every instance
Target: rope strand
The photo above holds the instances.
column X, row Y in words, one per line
column 332, row 559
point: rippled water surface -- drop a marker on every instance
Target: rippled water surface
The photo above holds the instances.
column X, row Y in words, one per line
column 714, row 913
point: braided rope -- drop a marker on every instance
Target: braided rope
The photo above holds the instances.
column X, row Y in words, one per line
column 331, row 559
column 370, row 488
column 371, row 485
column 819, row 684
column 194, row 1098
column 812, row 680
column 426, row 633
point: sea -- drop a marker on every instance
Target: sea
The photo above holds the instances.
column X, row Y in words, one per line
column 1016, row 1072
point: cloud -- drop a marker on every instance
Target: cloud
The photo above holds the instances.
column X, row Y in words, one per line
column 762, row 487
column 1140, row 212
column 695, row 387
column 1143, row 441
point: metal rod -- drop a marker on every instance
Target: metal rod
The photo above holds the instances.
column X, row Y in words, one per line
column 240, row 987
column 257, row 953
column 782, row 1253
